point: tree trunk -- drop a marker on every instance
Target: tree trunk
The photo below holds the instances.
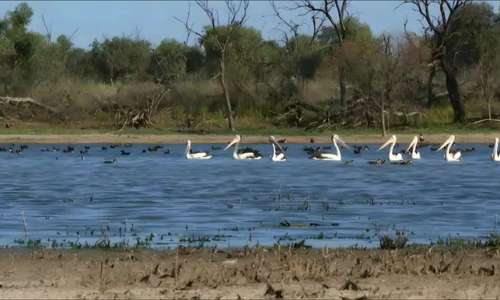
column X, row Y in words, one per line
column 486, row 94
column 382, row 108
column 222, row 79
column 455, row 94
column 342, row 88
column 430, row 92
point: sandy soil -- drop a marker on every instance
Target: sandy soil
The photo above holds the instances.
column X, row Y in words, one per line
column 476, row 138
column 435, row 273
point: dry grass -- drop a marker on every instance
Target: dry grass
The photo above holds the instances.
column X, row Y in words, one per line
column 87, row 104
column 428, row 273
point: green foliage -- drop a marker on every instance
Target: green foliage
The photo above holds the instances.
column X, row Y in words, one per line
column 290, row 84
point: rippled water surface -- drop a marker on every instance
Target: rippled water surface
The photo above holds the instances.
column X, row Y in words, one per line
column 230, row 201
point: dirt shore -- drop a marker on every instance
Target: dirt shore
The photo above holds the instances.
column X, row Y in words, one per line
column 473, row 138
column 426, row 273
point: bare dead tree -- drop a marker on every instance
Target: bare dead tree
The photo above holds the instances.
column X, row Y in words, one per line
column 340, row 26
column 439, row 33
column 222, row 41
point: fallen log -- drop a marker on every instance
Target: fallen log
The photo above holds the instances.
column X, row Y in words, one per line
column 16, row 101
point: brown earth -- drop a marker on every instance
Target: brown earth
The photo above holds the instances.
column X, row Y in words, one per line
column 418, row 273
column 473, row 138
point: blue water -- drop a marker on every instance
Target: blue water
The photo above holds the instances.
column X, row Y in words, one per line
column 235, row 202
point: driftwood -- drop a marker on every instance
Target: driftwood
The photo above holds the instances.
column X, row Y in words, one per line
column 17, row 101
column 482, row 121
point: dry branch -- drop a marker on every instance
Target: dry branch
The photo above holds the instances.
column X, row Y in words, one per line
column 17, row 101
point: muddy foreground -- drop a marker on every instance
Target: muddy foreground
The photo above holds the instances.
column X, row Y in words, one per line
column 426, row 273
column 473, row 138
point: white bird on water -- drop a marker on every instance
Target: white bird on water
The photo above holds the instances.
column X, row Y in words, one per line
column 331, row 156
column 494, row 155
column 247, row 153
column 277, row 155
column 392, row 156
column 450, row 155
column 414, row 154
column 196, row 155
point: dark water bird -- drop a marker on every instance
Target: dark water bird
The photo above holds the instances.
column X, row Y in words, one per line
column 69, row 149
column 366, row 148
column 284, row 149
column 4, row 149
column 402, row 163
column 83, row 152
column 168, row 151
column 158, row 147
column 216, row 148
column 57, row 158
column 83, row 157
column 110, row 161
column 128, row 145
column 469, row 150
column 357, row 150
column 124, row 153
column 55, row 149
column 104, row 148
column 377, row 162
column 152, row 149
column 24, row 147
column 87, row 147
column 311, row 150
column 312, row 141
column 144, row 151
column 283, row 141
column 349, row 162
column 43, row 150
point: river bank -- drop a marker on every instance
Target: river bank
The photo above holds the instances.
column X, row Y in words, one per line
column 106, row 138
column 190, row 273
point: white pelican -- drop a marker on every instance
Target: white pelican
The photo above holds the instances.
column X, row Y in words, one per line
column 331, row 156
column 392, row 156
column 246, row 153
column 276, row 156
column 196, row 155
column 453, row 156
column 494, row 155
column 414, row 154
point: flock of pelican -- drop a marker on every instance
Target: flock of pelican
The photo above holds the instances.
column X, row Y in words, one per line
column 278, row 153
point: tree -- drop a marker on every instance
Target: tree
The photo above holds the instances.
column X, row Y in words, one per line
column 217, row 38
column 441, row 45
column 169, row 60
column 341, row 29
